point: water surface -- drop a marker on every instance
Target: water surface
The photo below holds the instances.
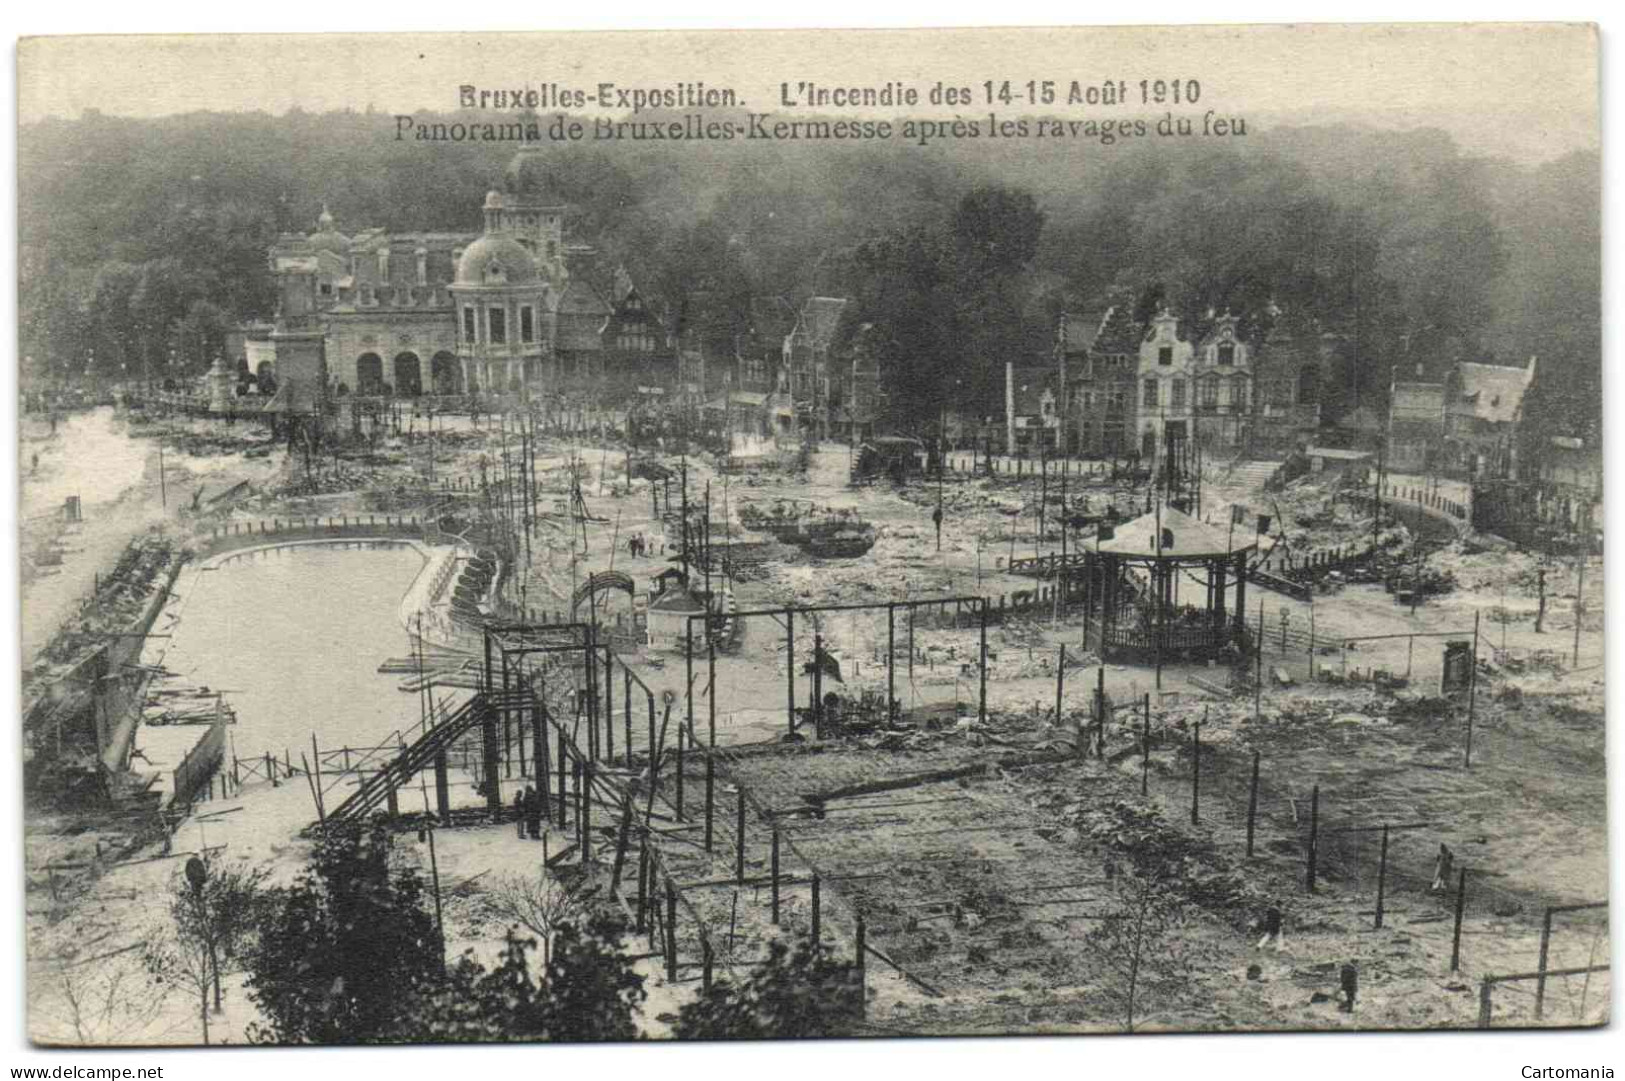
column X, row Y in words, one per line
column 295, row 637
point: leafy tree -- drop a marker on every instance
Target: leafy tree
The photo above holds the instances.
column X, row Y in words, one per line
column 996, row 230
column 220, row 909
column 199, row 336
column 1367, row 230
column 587, row 990
column 346, row 946
column 213, row 911
column 796, row 994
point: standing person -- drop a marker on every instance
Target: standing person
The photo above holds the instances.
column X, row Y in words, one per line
column 533, row 814
column 1274, row 929
column 1350, row 987
column 520, row 810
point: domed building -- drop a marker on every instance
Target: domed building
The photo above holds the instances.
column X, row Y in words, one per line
column 504, row 304
column 514, row 308
column 327, row 238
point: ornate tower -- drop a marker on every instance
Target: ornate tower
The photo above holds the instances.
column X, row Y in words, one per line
column 532, row 212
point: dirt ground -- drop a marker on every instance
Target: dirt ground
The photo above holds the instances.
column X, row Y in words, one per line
column 984, row 893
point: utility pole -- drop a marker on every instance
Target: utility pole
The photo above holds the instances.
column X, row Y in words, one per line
column 434, row 870
column 1579, row 605
column 1062, row 575
column 1376, row 497
column 942, row 467
column 1043, row 495
column 1158, row 586
column 685, row 522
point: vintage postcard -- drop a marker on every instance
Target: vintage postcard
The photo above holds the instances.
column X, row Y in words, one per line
column 689, row 536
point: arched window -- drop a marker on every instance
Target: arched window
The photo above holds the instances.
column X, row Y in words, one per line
column 1308, row 385
column 369, row 373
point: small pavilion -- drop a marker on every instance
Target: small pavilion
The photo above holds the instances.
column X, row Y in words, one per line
column 1133, row 609
column 670, row 615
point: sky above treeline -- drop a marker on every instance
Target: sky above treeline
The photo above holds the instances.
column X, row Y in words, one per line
column 1528, row 92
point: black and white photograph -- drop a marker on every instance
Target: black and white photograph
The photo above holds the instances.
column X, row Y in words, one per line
column 691, row 535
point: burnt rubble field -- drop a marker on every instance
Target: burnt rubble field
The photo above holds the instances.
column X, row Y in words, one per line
column 1337, row 827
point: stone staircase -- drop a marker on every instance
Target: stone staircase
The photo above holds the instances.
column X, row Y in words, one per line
column 1253, row 474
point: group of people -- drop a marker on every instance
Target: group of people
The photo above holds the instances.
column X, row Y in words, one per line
column 639, row 546
column 528, row 805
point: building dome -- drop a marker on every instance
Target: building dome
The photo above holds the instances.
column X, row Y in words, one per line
column 327, row 237
column 528, row 177
column 496, row 259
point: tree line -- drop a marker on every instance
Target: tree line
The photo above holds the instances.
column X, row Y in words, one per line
column 143, row 241
column 352, row 952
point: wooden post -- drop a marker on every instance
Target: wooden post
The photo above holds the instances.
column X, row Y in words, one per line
column 442, row 789
column 1312, row 644
column 1252, row 805
column 981, row 708
column 1382, row 877
column 1258, row 675
column 640, row 913
column 609, row 705
column 563, row 796
column 818, row 684
column 1060, row 683
column 1196, row 767
column 1145, row 748
column 1314, row 835
column 681, row 802
column 710, row 797
column 1461, row 905
column 671, row 931
column 1579, row 599
column 576, row 774
column 538, row 746
column 739, row 841
column 1472, row 695
column 858, row 961
column 624, row 835
column 315, row 795
column 688, row 666
column 711, row 678
column 705, row 969
column 790, row 670
column 775, row 876
column 1545, row 947
column 891, row 661
column 817, row 925
column 1484, row 1010
column 590, row 655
